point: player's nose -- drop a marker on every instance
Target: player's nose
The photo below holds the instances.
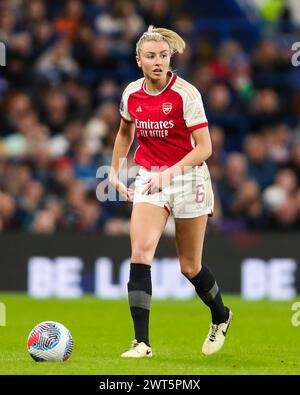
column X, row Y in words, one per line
column 158, row 61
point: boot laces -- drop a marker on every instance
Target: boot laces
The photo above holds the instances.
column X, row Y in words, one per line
column 134, row 344
column 213, row 332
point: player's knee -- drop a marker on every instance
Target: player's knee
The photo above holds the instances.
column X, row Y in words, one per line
column 190, row 272
column 189, row 267
column 142, row 254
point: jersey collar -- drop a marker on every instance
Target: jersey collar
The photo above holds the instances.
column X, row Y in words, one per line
column 169, row 84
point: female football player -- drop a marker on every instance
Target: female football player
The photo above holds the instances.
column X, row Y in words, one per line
column 168, row 116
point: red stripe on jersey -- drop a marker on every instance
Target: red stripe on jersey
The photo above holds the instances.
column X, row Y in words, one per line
column 201, row 125
column 167, row 209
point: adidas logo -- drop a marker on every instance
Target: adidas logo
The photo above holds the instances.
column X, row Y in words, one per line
column 139, row 109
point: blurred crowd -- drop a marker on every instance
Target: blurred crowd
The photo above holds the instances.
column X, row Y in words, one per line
column 67, row 63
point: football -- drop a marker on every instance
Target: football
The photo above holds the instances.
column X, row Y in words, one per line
column 50, row 341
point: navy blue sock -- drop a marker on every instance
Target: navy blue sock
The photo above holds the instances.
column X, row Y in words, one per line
column 139, row 296
column 208, row 290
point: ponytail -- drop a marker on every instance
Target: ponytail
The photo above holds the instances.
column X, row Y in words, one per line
column 174, row 41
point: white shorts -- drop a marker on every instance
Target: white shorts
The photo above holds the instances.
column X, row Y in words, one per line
column 188, row 196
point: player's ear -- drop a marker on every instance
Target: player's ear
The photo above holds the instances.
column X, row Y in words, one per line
column 138, row 61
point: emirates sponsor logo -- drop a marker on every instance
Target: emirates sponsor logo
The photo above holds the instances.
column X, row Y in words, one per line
column 154, row 124
column 153, row 128
column 167, row 108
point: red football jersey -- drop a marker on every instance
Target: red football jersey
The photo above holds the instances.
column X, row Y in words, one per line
column 163, row 121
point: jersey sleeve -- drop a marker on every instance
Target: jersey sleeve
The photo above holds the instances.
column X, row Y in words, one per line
column 124, row 107
column 193, row 112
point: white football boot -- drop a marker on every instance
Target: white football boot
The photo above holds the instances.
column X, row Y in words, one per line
column 216, row 336
column 138, row 350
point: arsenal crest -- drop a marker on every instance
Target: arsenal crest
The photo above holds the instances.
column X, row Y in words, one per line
column 167, row 107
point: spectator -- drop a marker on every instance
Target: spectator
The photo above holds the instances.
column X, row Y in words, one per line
column 248, row 205
column 92, row 216
column 122, row 21
column 279, row 140
column 57, row 63
column 98, row 64
column 28, row 203
column 7, row 211
column 285, row 216
column 221, row 111
column 34, row 12
column 68, row 24
column 202, row 78
column 43, row 222
column 17, row 104
column 235, row 176
column 260, row 167
column 294, row 162
column 239, row 196
column 287, row 180
column 85, row 165
column 31, row 135
column 43, row 37
column 217, row 159
column 158, row 13
column 264, row 110
column 75, row 196
column 62, row 176
column 55, row 110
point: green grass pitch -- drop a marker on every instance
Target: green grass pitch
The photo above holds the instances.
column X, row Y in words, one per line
column 261, row 339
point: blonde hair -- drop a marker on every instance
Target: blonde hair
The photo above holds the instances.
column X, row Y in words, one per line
column 174, row 41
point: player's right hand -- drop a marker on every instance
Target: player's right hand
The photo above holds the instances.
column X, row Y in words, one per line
column 127, row 193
